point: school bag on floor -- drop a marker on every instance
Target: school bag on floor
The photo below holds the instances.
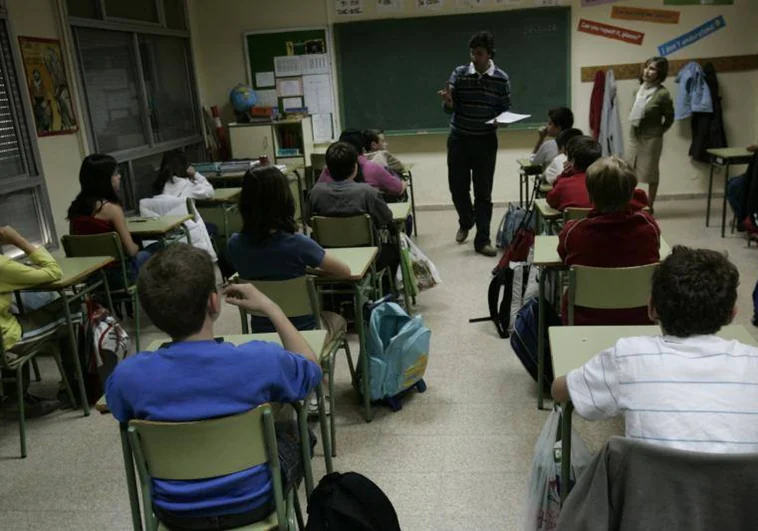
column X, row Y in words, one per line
column 398, row 349
column 509, row 225
column 422, row 270
column 350, row 502
column 524, row 338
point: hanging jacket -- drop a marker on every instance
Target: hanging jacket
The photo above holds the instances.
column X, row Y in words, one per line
column 596, row 103
column 708, row 127
column 169, row 205
column 694, row 95
column 611, row 138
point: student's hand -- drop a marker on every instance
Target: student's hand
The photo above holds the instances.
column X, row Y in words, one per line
column 191, row 172
column 566, row 165
column 752, row 148
column 542, row 132
column 247, row 297
column 8, row 235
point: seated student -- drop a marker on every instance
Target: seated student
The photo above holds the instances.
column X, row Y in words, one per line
column 569, row 189
column 687, row 389
column 376, row 150
column 344, row 197
column 613, row 235
column 97, row 209
column 196, row 378
column 560, row 162
column 558, row 119
column 368, row 172
column 269, row 246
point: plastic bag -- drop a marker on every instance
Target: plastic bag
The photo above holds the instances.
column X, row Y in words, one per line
column 543, row 504
column 424, row 270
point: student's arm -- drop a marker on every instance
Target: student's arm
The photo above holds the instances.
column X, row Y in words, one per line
column 15, row 275
column 115, row 215
column 200, row 188
column 541, row 136
column 394, row 163
column 388, row 183
column 593, row 388
column 554, row 169
column 667, row 109
column 118, row 404
column 563, row 240
column 334, row 267
column 247, row 297
column 553, row 197
column 448, row 93
column 379, row 211
column 560, row 390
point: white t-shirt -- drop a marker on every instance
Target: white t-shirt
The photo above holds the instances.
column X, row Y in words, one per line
column 698, row 393
column 199, row 189
column 555, row 168
column 545, row 154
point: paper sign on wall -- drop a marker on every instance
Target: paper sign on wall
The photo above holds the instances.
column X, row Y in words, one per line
column 292, row 103
column 316, row 63
column 349, row 7
column 264, row 79
column 389, row 5
column 266, row 98
column 430, row 4
column 289, row 88
column 318, row 94
column 470, row 3
column 692, row 36
column 590, row 3
column 660, row 16
column 288, row 65
column 322, row 127
column 698, row 2
column 610, row 32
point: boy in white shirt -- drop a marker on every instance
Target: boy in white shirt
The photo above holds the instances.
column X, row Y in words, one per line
column 688, row 389
column 556, row 167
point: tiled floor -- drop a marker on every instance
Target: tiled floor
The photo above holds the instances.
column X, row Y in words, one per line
column 456, row 457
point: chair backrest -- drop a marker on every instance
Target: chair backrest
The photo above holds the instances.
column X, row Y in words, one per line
column 105, row 244
column 354, row 231
column 296, row 296
column 572, row 213
column 609, row 287
column 318, row 163
column 187, row 451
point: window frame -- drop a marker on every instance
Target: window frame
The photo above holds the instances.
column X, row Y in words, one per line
column 135, row 28
column 34, row 178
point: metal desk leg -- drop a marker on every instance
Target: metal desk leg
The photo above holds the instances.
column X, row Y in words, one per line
column 541, row 340
column 75, row 353
column 413, row 204
column 326, row 438
column 568, row 408
column 131, row 479
column 723, row 206
column 521, row 189
column 363, row 355
column 710, row 192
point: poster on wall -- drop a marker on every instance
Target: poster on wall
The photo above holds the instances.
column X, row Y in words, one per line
column 349, row 7
column 660, row 16
column 590, row 3
column 430, row 4
column 471, row 3
column 698, row 2
column 610, row 32
column 692, row 36
column 389, row 5
column 48, row 86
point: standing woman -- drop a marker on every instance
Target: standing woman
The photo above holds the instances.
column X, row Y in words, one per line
column 652, row 115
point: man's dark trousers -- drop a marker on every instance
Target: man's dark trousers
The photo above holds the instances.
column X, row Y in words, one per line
column 472, row 157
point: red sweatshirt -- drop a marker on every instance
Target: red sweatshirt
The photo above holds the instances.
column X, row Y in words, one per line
column 616, row 239
column 570, row 190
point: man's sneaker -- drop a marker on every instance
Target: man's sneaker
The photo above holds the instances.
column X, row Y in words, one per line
column 487, row 250
column 461, row 235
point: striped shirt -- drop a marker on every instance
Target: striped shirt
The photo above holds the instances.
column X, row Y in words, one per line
column 698, row 393
column 478, row 98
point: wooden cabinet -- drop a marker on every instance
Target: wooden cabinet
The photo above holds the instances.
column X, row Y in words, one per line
column 250, row 141
column 287, row 142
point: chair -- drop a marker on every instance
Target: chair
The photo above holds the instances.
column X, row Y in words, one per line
column 574, row 213
column 318, row 163
column 186, row 451
column 107, row 244
column 298, row 297
column 27, row 351
column 609, row 287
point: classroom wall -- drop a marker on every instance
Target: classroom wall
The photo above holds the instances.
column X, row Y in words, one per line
column 60, row 155
column 218, row 28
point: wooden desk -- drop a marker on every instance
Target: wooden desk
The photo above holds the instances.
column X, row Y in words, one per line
column 724, row 158
column 224, row 201
column 359, row 259
column 222, row 196
column 545, row 213
column 546, row 251
column 157, row 227
column 75, row 272
column 400, row 211
column 573, row 346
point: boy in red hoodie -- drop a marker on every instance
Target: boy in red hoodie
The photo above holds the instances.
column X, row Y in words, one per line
column 613, row 235
column 569, row 189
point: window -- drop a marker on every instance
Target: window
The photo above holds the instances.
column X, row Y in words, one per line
column 138, row 84
column 24, row 203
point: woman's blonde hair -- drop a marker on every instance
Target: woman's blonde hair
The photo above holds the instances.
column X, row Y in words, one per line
column 610, row 184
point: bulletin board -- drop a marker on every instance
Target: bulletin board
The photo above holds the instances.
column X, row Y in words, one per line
column 291, row 68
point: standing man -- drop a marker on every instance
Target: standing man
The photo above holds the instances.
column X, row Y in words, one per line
column 475, row 94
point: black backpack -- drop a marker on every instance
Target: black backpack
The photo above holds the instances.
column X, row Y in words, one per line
column 350, row 502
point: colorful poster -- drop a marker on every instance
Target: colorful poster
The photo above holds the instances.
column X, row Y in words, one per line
column 661, row 16
column 48, row 86
column 698, row 2
column 610, row 32
column 590, row 3
column 692, row 36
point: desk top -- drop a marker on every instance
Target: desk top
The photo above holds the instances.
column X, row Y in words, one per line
column 75, row 270
column 400, row 211
column 154, row 226
column 546, row 251
column 314, row 338
column 526, row 163
column 290, row 171
column 730, row 153
column 573, row 346
column 222, row 195
column 358, row 258
column 545, row 210
column 408, row 166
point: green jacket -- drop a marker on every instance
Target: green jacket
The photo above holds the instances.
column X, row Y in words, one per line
column 659, row 114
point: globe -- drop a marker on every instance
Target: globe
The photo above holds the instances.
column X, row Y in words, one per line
column 242, row 98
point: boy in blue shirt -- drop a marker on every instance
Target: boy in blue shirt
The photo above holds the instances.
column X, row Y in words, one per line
column 196, row 377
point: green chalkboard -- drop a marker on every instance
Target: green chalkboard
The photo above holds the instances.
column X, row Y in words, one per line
column 390, row 70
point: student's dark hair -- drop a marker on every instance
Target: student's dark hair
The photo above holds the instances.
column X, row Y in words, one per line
column 483, row 39
column 173, row 288
column 174, row 164
column 266, row 203
column 95, row 181
column 610, row 184
column 562, row 117
column 341, row 159
column 582, row 151
column 694, row 291
column 353, row 137
column 370, row 136
column 564, row 136
column 662, row 64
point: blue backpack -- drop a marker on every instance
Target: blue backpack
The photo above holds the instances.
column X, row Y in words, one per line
column 513, row 219
column 524, row 338
column 398, row 349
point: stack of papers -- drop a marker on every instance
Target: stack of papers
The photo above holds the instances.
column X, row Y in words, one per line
column 509, row 118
